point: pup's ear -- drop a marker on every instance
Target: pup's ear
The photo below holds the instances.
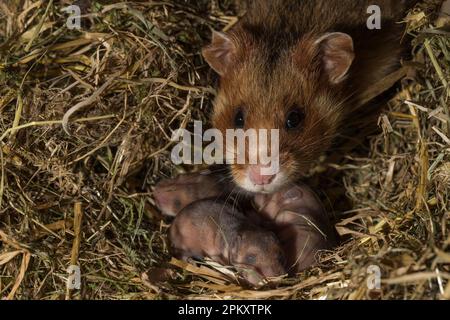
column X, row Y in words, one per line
column 221, row 53
column 337, row 55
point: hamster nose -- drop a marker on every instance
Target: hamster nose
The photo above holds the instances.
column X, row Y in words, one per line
column 257, row 178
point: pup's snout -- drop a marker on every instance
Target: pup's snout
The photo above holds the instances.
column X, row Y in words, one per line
column 256, row 176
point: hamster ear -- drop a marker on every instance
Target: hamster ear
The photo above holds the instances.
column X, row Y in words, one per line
column 337, row 55
column 220, row 53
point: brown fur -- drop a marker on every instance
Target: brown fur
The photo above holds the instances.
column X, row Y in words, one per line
column 275, row 64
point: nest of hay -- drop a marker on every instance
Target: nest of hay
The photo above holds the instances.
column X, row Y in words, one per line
column 85, row 197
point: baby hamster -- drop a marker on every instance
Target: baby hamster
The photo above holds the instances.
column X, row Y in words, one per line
column 172, row 195
column 300, row 223
column 216, row 230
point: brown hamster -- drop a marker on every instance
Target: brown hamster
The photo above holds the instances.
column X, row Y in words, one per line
column 208, row 228
column 299, row 66
column 172, row 195
column 300, row 223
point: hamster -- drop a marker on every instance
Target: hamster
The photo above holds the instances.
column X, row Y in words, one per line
column 294, row 215
column 172, row 195
column 300, row 222
column 299, row 67
column 216, row 230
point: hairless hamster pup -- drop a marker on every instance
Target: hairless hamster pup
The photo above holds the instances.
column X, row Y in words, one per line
column 300, row 223
column 172, row 195
column 300, row 66
column 216, row 230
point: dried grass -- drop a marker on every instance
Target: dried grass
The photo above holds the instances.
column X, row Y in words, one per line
column 133, row 74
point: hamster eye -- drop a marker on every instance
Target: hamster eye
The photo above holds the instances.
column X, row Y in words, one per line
column 239, row 120
column 294, row 119
column 250, row 259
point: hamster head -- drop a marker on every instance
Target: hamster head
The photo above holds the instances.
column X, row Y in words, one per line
column 271, row 204
column 258, row 254
column 292, row 85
